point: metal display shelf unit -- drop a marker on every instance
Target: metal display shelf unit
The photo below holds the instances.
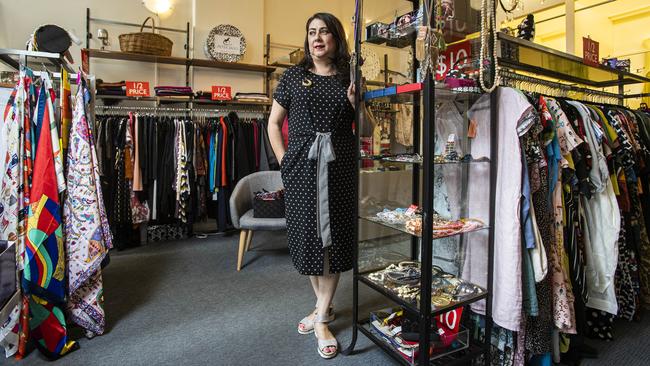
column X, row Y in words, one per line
column 35, row 60
column 169, row 60
column 423, row 176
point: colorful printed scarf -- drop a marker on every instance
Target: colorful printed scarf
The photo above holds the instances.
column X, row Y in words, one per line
column 88, row 237
column 44, row 273
column 13, row 194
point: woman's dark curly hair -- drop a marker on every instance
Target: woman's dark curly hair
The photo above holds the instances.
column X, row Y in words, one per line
column 341, row 59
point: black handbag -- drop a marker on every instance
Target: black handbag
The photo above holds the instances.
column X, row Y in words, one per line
column 269, row 205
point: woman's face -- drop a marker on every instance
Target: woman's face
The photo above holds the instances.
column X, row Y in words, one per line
column 321, row 41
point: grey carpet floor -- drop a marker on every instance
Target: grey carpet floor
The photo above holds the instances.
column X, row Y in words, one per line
column 183, row 303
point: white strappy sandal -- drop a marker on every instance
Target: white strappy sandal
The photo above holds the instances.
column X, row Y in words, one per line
column 325, row 344
column 306, row 325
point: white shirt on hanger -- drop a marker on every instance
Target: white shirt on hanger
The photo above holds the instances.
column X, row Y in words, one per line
column 507, row 284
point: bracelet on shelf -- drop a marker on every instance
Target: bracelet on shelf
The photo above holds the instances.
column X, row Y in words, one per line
column 404, row 158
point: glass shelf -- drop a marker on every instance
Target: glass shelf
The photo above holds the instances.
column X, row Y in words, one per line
column 465, row 357
column 402, row 228
column 392, row 159
column 413, row 306
column 406, row 355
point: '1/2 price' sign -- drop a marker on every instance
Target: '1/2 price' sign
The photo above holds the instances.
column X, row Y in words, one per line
column 221, row 93
column 590, row 51
column 137, row 89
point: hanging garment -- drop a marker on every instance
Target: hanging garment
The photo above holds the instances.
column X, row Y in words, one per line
column 88, row 236
column 16, row 113
column 602, row 230
column 45, row 106
column 45, row 268
column 514, row 112
column 66, row 110
column 404, row 125
column 563, row 308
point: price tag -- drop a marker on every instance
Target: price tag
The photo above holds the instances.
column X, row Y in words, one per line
column 590, row 51
column 137, row 89
column 453, row 57
column 221, row 93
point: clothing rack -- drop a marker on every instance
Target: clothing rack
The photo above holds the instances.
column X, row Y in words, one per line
column 556, row 88
column 521, row 55
column 187, row 111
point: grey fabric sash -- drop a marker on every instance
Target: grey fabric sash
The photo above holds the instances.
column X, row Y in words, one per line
column 322, row 151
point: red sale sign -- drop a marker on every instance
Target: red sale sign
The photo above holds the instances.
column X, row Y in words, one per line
column 137, row 89
column 221, row 93
column 590, row 51
column 454, row 56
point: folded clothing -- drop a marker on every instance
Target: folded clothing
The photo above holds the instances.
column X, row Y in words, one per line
column 119, row 84
column 173, row 90
column 202, row 94
column 116, row 88
column 251, row 97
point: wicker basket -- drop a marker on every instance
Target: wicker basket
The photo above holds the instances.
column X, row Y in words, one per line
column 146, row 43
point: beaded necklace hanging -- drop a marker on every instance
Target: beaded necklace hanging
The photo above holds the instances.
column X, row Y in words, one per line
column 488, row 24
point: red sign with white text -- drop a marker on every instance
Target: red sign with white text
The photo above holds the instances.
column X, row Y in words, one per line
column 137, row 89
column 449, row 58
column 590, row 54
column 221, row 92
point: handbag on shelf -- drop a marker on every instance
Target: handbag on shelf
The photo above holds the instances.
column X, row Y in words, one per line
column 146, row 43
column 269, row 205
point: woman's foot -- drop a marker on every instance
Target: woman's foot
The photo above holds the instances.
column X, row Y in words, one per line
column 306, row 325
column 327, row 343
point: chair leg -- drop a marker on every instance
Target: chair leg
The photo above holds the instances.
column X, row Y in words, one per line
column 242, row 246
column 249, row 239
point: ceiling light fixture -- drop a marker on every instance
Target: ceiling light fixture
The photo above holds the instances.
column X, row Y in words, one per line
column 158, row 6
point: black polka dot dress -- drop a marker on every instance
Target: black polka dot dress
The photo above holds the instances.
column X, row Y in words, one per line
column 318, row 103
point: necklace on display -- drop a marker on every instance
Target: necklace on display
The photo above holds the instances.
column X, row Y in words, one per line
column 430, row 40
column 488, row 24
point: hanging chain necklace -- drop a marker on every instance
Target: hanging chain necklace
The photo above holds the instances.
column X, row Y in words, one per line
column 488, row 23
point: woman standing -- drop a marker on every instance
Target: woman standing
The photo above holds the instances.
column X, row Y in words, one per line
column 319, row 166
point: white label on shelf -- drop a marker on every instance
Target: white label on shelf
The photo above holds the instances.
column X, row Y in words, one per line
column 227, row 44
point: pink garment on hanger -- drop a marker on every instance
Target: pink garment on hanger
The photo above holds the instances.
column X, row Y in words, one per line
column 137, row 173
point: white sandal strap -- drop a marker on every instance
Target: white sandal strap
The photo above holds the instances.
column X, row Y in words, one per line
column 325, row 343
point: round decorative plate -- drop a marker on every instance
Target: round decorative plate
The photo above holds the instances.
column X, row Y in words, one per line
column 370, row 67
column 221, row 44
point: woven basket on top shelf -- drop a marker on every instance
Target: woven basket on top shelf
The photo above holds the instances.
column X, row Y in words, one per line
column 146, row 43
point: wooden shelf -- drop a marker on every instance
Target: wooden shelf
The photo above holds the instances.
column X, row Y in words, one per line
column 281, row 65
column 125, row 56
column 230, row 65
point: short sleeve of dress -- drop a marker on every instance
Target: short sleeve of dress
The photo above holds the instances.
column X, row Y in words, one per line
column 282, row 93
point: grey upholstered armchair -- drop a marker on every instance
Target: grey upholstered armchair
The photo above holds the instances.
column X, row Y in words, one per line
column 241, row 208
